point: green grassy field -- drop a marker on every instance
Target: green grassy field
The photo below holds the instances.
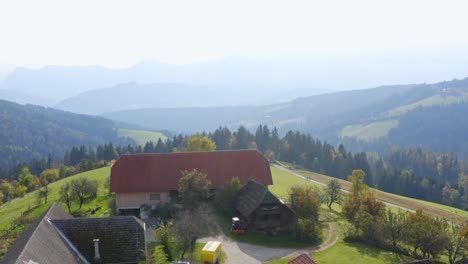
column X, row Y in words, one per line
column 370, row 131
column 141, row 136
column 283, row 181
column 427, row 102
column 341, row 252
column 9, row 212
column 454, row 214
column 380, row 129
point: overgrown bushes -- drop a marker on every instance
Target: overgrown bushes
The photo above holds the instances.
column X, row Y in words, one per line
column 416, row 233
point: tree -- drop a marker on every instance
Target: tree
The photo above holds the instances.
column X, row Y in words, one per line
column 50, row 175
column 190, row 225
column 20, row 190
column 242, row 138
column 270, row 155
column 333, row 193
column 357, row 180
column 457, row 243
column 83, row 188
column 67, row 195
column 25, row 178
column 194, row 187
column 225, row 197
column 426, row 234
column 45, row 187
column 164, row 233
column 394, row 226
column 159, row 255
column 6, row 189
column 200, row 143
column 49, row 161
column 307, row 230
column 223, row 138
column 362, row 210
column 305, row 201
column 450, row 195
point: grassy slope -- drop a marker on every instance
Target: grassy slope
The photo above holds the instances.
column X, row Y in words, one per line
column 12, row 210
column 436, row 209
column 341, row 252
column 381, row 128
column 427, row 102
column 370, row 131
column 141, row 136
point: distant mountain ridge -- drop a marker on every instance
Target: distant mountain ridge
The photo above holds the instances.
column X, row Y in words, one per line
column 136, row 96
column 257, row 81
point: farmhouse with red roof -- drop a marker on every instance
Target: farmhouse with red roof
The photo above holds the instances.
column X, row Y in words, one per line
column 153, row 178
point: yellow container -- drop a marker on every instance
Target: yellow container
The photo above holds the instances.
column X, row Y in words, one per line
column 211, row 251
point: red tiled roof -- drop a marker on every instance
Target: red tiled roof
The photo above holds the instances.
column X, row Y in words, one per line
column 303, row 259
column 161, row 172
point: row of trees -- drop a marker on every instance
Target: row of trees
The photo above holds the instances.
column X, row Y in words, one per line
column 424, row 235
column 413, row 172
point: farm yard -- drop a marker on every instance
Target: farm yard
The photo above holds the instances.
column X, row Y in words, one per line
column 253, row 248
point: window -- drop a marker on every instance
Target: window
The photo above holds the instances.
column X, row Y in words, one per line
column 155, row 197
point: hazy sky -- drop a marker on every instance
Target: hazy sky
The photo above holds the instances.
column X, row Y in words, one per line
column 120, row 33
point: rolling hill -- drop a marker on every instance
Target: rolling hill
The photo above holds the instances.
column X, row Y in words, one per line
column 370, row 119
column 262, row 80
column 31, row 132
column 136, row 96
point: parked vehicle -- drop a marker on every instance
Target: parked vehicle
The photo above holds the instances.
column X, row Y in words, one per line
column 237, row 226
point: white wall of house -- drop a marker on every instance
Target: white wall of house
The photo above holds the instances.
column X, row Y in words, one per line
column 135, row 200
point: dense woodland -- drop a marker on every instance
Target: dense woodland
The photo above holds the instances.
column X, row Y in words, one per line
column 30, row 132
column 440, row 128
column 412, row 172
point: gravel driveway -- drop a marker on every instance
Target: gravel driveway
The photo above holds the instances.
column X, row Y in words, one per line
column 239, row 252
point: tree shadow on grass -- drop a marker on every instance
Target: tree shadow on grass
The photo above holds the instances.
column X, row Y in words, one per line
column 385, row 255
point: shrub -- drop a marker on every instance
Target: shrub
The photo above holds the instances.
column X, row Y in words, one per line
column 307, row 230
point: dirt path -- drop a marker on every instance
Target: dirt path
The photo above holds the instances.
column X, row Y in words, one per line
column 343, row 190
column 240, row 252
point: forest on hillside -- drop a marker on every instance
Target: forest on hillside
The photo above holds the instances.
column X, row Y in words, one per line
column 441, row 128
column 30, row 132
column 413, row 172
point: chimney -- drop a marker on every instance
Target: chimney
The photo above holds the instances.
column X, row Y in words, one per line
column 97, row 257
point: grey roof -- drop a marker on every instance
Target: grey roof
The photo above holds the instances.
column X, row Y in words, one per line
column 41, row 243
column 251, row 196
column 57, row 238
column 121, row 238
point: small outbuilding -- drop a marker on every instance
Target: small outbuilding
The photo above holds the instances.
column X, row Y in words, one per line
column 261, row 210
column 303, row 259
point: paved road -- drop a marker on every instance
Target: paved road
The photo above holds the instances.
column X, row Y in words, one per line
column 343, row 190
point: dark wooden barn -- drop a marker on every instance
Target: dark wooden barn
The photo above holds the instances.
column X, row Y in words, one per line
column 261, row 210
